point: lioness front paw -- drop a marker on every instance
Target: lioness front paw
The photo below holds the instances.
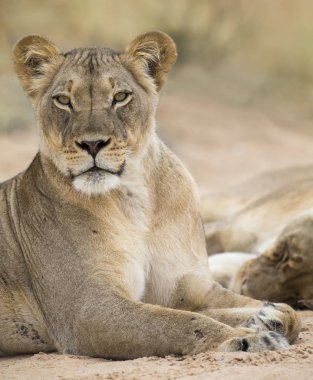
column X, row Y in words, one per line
column 260, row 341
column 277, row 317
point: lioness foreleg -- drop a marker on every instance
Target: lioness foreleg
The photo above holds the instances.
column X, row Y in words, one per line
column 211, row 299
column 124, row 329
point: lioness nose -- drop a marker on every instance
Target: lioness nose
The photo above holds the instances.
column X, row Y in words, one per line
column 93, row 147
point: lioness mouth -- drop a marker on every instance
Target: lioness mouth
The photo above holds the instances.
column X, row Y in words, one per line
column 96, row 169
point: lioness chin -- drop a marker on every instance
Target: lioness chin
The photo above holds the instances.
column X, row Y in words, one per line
column 102, row 246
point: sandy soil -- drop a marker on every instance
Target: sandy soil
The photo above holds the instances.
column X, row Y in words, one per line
column 221, row 145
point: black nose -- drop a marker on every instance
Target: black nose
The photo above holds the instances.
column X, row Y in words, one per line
column 93, row 147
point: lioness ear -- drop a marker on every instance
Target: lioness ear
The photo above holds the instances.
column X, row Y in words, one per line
column 35, row 57
column 156, row 51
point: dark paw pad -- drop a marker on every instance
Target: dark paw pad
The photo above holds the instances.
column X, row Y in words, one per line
column 244, row 345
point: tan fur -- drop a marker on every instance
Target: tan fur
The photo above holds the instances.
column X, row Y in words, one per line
column 35, row 61
column 275, row 224
column 229, row 201
column 111, row 262
column 156, row 52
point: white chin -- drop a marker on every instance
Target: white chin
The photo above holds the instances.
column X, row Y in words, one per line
column 93, row 185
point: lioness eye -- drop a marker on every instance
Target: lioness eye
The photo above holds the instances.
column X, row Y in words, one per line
column 63, row 99
column 119, row 97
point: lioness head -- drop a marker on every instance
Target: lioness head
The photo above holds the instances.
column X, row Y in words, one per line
column 284, row 273
column 95, row 107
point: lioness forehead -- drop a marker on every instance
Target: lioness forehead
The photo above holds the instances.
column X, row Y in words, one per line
column 94, row 62
column 91, row 58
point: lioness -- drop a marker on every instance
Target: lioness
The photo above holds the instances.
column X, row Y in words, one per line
column 268, row 222
column 102, row 245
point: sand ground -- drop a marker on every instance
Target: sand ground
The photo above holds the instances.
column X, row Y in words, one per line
column 221, row 145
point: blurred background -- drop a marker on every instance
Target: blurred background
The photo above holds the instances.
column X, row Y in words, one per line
column 238, row 102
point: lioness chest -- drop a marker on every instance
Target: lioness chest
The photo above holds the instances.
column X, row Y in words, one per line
column 145, row 261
